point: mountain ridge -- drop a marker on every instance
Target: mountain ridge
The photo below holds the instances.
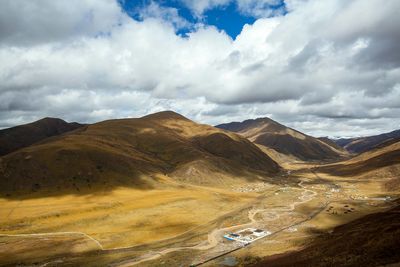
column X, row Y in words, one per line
column 365, row 143
column 283, row 139
column 14, row 138
column 126, row 152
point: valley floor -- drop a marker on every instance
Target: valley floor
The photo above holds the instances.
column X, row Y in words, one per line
column 183, row 225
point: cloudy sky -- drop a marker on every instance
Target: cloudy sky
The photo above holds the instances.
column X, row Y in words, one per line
column 328, row 67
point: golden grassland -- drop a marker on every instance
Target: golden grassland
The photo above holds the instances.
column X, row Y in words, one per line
column 334, row 214
column 123, row 217
column 175, row 214
column 132, row 217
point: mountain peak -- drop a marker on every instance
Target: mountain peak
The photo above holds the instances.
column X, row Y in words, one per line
column 167, row 114
column 285, row 140
column 18, row 137
column 250, row 123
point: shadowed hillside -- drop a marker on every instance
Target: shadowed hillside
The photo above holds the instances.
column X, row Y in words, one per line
column 382, row 162
column 126, row 152
column 14, row 138
column 363, row 144
column 372, row 160
column 269, row 133
column 330, row 143
column 373, row 240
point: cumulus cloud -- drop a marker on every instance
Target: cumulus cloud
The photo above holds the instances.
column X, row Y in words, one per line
column 34, row 22
column 261, row 8
column 167, row 14
column 254, row 8
column 324, row 63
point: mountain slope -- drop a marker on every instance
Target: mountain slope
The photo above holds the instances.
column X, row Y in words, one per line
column 14, row 138
column 363, row 144
column 368, row 161
column 381, row 163
column 330, row 142
column 272, row 134
column 373, row 240
column 127, row 152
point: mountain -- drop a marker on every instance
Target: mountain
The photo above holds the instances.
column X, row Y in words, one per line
column 18, row 137
column 363, row 144
column 330, row 143
column 379, row 157
column 128, row 152
column 380, row 162
column 373, row 240
column 269, row 133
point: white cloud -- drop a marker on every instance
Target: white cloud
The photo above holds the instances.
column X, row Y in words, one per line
column 261, row 8
column 198, row 7
column 168, row 14
column 311, row 68
column 254, row 8
column 32, row 22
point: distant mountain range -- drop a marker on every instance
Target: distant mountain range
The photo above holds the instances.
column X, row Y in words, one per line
column 362, row 144
column 38, row 156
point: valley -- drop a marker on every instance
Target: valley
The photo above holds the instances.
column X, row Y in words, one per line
column 182, row 224
column 162, row 190
column 208, row 133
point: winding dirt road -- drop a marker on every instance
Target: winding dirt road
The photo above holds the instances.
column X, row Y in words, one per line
column 58, row 233
column 212, row 239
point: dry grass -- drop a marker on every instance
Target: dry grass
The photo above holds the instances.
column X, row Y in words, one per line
column 126, row 152
column 123, row 217
column 285, row 140
column 126, row 216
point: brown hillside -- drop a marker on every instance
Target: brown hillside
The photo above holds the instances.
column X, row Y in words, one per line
column 369, row 161
column 272, row 134
column 126, row 152
column 14, row 138
column 331, row 143
column 363, row 144
column 373, row 240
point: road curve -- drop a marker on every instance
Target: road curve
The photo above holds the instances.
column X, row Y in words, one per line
column 212, row 239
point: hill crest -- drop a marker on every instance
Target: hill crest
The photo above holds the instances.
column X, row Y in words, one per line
column 285, row 140
column 14, row 138
column 127, row 152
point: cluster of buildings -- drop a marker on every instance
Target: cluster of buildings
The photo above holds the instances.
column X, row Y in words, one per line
column 247, row 235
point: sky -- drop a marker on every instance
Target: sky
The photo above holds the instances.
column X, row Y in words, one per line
column 327, row 68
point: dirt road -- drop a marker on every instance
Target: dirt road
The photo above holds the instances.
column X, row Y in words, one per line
column 213, row 237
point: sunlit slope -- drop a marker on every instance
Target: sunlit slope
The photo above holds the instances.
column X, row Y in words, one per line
column 21, row 136
column 330, row 143
column 272, row 134
column 382, row 163
column 128, row 152
column 371, row 160
column 363, row 144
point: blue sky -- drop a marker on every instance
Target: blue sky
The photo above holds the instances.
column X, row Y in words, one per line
column 227, row 17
